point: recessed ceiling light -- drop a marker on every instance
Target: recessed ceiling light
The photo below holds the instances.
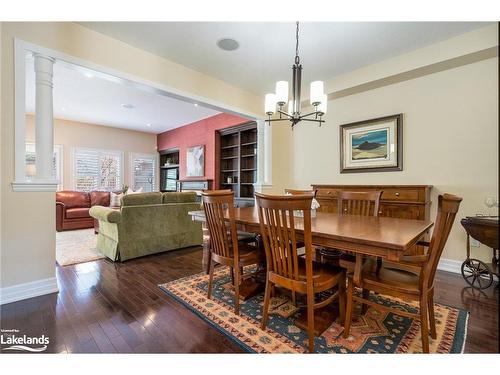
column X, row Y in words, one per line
column 63, row 109
column 128, row 106
column 148, row 125
column 196, row 104
column 227, row 44
column 88, row 75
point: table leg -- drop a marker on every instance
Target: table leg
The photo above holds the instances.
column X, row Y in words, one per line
column 205, row 263
column 255, row 284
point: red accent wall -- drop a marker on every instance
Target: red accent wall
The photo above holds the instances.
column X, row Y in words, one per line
column 198, row 133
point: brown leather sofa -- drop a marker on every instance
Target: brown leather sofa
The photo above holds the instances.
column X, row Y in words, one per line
column 72, row 208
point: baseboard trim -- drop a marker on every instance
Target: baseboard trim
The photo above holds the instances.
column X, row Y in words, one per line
column 450, row 265
column 28, row 290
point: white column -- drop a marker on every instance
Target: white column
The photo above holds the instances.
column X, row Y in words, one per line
column 268, row 166
column 264, row 158
column 260, row 154
column 44, row 117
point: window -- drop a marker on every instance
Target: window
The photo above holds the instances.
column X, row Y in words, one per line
column 56, row 166
column 97, row 170
column 143, row 172
column 172, row 175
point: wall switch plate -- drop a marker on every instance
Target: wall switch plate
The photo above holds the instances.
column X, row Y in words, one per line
column 474, row 243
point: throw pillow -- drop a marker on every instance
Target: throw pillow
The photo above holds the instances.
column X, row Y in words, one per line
column 115, row 200
column 130, row 191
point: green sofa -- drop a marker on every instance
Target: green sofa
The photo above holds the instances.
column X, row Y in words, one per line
column 147, row 223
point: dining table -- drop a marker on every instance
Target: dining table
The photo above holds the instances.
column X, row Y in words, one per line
column 382, row 237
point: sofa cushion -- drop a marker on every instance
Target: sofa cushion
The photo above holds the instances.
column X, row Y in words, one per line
column 141, row 199
column 77, row 213
column 99, row 198
column 179, row 197
column 72, row 199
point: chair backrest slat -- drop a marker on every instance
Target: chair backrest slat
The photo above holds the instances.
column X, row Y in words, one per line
column 277, row 222
column 448, row 206
column 359, row 203
column 223, row 236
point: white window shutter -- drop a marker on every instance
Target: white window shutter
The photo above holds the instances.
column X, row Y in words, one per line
column 97, row 170
column 144, row 172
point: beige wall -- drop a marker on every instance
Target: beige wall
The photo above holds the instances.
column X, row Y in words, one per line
column 71, row 134
column 460, row 105
column 282, row 157
column 450, row 139
column 28, row 219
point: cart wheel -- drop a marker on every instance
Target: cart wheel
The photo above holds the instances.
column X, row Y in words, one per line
column 477, row 274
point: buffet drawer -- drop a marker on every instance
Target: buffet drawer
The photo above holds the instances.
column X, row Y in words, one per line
column 395, row 194
column 327, row 193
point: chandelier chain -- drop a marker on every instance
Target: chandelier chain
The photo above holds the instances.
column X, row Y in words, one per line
column 297, row 44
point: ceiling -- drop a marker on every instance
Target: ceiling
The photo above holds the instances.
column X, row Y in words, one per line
column 267, row 49
column 92, row 97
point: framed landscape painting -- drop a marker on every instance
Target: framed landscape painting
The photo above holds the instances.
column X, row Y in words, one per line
column 195, row 161
column 372, row 145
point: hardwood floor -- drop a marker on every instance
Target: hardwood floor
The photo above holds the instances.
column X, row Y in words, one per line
column 118, row 308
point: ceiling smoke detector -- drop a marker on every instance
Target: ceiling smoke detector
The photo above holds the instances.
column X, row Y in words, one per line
column 228, row 44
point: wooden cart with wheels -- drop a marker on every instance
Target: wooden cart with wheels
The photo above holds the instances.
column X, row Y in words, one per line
column 484, row 229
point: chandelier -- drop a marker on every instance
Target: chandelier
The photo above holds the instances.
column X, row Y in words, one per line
column 279, row 99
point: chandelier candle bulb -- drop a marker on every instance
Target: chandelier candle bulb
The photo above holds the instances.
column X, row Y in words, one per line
column 270, row 104
column 281, row 92
column 323, row 104
column 317, row 92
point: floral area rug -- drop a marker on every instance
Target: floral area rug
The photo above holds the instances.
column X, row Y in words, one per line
column 374, row 332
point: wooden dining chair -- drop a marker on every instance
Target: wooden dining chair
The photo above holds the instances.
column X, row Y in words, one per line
column 412, row 278
column 284, row 267
column 364, row 203
column 300, row 244
column 353, row 203
column 225, row 248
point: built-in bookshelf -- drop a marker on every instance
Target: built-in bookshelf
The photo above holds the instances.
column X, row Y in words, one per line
column 169, row 169
column 238, row 160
